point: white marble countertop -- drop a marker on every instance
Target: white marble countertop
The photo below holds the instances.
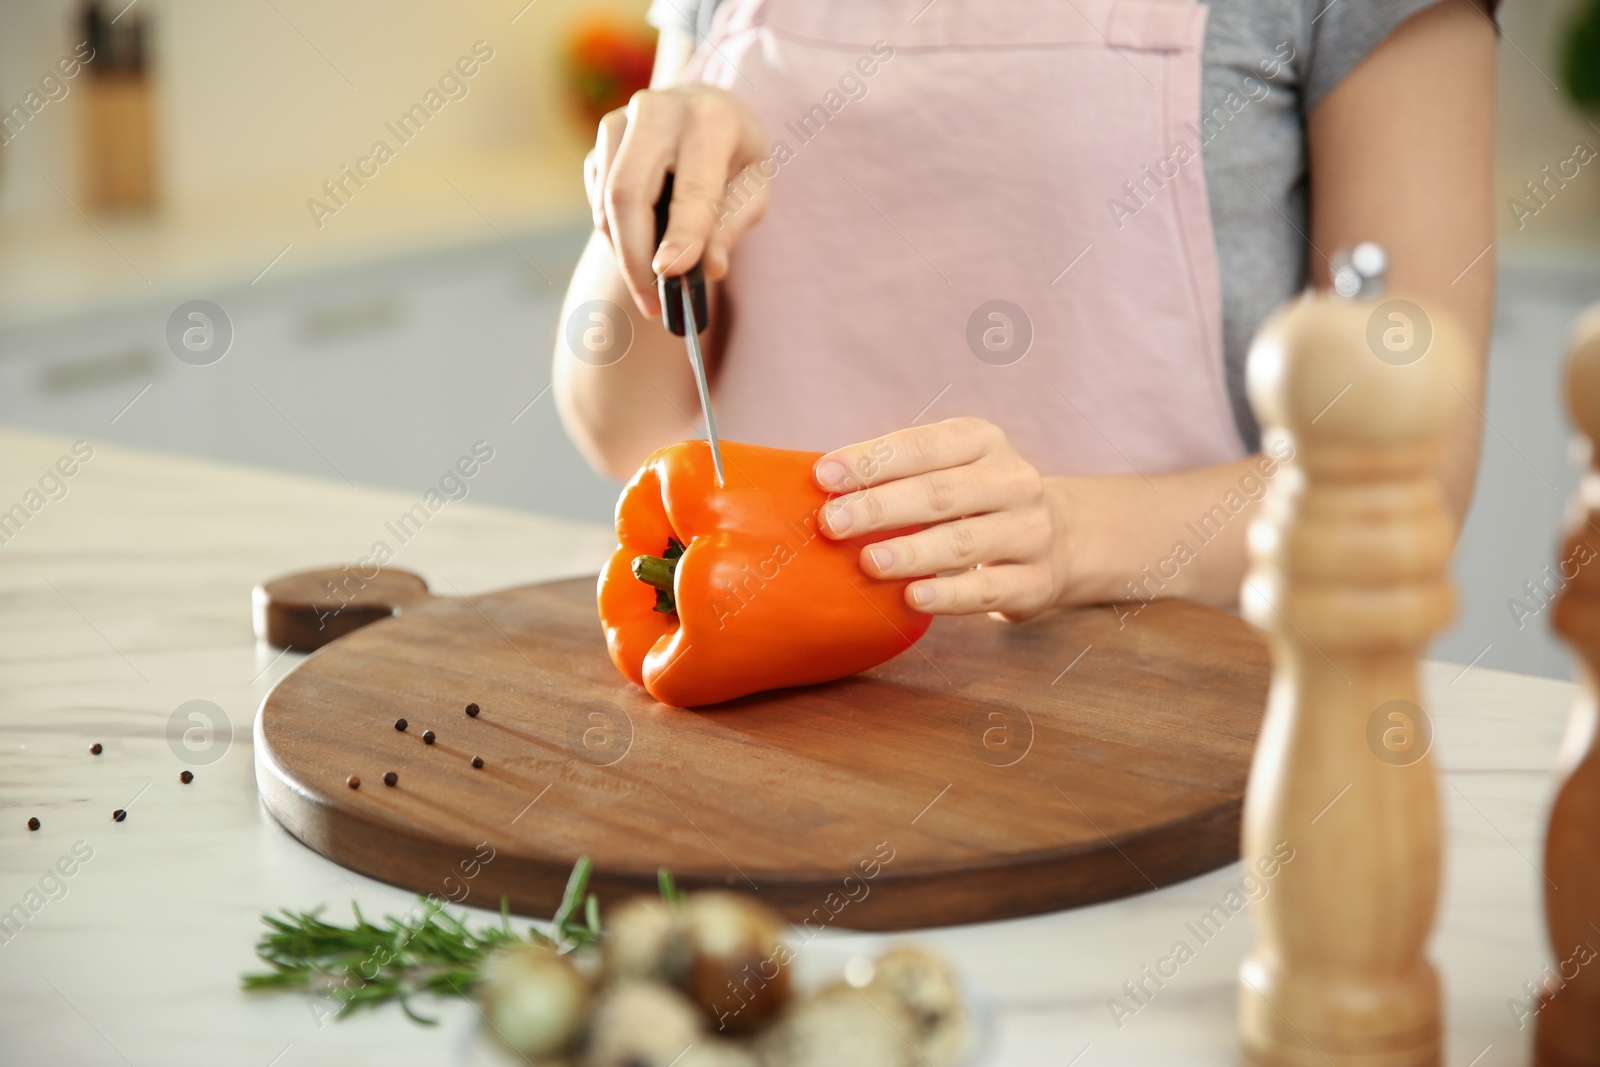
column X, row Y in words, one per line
column 130, row 595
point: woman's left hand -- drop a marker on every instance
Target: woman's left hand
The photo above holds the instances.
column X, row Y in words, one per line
column 988, row 514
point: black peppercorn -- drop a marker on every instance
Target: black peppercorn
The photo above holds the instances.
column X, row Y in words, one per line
column 477, row 761
column 472, row 711
column 185, row 777
column 353, row 782
column 428, row 737
column 391, row 778
column 33, row 824
column 95, row 749
column 118, row 815
column 400, row 724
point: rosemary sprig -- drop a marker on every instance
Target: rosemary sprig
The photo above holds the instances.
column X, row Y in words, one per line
column 430, row 951
column 570, row 934
column 669, row 887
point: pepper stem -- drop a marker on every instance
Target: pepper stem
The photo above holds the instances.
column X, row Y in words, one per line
column 658, row 572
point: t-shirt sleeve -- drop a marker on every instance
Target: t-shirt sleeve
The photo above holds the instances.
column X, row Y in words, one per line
column 672, row 15
column 1344, row 31
column 692, row 17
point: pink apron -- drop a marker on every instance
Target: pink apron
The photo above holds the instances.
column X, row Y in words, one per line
column 999, row 211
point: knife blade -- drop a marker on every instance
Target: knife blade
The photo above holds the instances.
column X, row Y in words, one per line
column 684, row 310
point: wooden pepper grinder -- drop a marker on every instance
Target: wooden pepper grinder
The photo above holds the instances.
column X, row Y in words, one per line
column 1568, row 1023
column 1348, row 579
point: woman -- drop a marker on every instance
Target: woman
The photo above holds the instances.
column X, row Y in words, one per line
column 1016, row 252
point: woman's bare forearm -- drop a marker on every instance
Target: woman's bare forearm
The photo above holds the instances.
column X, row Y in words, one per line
column 1419, row 183
column 618, row 410
column 1133, row 538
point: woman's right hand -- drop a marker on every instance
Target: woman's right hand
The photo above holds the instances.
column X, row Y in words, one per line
column 705, row 136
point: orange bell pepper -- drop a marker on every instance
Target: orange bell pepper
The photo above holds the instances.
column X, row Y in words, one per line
column 716, row 593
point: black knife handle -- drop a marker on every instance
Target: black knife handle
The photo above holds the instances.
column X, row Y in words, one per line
column 671, row 289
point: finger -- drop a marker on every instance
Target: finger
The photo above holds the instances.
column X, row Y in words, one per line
column 634, row 185
column 597, row 165
column 1011, row 589
column 937, row 496
column 700, row 177
column 1001, row 537
column 906, row 452
column 735, row 215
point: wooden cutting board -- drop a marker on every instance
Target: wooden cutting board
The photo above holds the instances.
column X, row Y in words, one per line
column 994, row 770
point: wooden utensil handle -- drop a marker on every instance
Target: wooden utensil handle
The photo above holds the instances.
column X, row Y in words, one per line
column 306, row 610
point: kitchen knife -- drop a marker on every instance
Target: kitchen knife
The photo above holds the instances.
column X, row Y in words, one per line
column 684, row 311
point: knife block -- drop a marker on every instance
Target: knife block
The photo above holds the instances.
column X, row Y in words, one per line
column 118, row 157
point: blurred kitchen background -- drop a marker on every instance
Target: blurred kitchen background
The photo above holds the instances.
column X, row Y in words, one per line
column 375, row 341
column 376, row 338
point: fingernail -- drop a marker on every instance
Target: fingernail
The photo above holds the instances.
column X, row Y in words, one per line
column 922, row 596
column 666, row 256
column 839, row 518
column 882, row 557
column 831, row 474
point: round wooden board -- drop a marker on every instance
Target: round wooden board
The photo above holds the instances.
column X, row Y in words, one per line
column 992, row 771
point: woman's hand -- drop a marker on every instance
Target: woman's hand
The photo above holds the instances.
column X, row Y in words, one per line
column 705, row 136
column 989, row 515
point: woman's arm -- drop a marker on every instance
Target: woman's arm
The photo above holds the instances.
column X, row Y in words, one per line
column 619, row 411
column 673, row 51
column 1399, row 154
column 1041, row 542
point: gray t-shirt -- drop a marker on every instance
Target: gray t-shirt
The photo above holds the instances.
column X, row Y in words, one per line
column 1279, row 57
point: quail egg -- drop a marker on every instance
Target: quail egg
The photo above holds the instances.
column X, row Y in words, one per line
column 534, row 1000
